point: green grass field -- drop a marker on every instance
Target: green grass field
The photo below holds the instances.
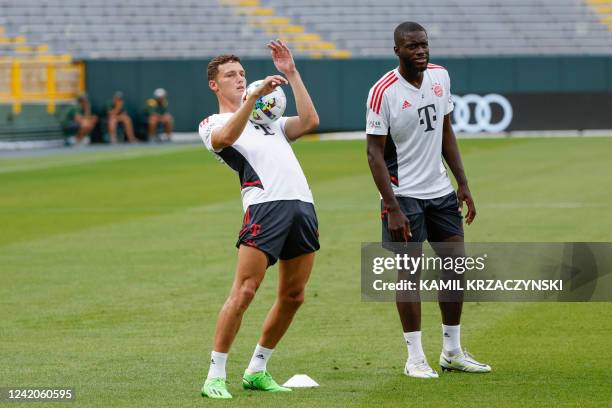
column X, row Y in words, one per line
column 115, row 263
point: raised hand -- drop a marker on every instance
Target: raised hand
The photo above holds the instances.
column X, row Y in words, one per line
column 281, row 56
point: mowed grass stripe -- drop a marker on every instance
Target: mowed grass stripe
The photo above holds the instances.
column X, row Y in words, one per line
column 39, row 160
column 37, row 203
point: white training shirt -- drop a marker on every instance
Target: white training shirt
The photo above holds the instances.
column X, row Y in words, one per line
column 263, row 159
column 412, row 120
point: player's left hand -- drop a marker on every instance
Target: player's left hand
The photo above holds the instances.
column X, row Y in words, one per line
column 464, row 195
column 281, row 56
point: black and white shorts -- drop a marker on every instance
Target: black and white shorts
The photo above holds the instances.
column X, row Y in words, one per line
column 281, row 229
column 433, row 220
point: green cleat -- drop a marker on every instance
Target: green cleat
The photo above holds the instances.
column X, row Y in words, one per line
column 216, row 388
column 262, row 381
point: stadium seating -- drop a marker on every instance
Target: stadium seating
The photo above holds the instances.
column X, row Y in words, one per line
column 459, row 27
column 337, row 28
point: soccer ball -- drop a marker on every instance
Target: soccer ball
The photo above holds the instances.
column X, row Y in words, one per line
column 269, row 107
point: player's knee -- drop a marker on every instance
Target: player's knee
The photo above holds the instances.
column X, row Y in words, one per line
column 293, row 300
column 244, row 296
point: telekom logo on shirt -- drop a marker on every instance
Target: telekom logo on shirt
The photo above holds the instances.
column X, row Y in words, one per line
column 427, row 118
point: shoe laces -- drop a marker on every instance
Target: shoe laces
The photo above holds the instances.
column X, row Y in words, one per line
column 468, row 356
column 267, row 379
column 219, row 381
column 423, row 365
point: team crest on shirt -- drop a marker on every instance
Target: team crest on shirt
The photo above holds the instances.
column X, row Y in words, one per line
column 438, row 90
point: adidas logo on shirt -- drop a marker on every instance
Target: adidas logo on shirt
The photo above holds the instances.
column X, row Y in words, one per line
column 406, row 104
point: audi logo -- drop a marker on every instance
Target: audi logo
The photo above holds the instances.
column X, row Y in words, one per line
column 482, row 113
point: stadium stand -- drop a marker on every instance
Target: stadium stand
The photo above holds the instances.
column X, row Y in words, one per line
column 36, row 87
column 461, row 27
column 157, row 29
column 317, row 28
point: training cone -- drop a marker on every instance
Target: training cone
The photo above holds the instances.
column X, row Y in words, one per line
column 300, row 381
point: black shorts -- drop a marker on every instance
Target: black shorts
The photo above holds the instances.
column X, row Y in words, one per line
column 281, row 229
column 433, row 220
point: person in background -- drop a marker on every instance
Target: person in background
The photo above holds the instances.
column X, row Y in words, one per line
column 117, row 114
column 81, row 120
column 157, row 112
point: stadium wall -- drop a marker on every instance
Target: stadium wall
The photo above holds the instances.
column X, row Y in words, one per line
column 546, row 93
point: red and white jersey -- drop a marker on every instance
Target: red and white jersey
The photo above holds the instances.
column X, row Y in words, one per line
column 412, row 119
column 263, row 159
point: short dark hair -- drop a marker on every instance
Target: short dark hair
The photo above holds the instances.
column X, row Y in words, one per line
column 406, row 27
column 213, row 65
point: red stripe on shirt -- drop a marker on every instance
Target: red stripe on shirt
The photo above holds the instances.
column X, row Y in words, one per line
column 434, row 66
column 379, row 102
column 251, row 183
column 381, row 89
column 377, row 87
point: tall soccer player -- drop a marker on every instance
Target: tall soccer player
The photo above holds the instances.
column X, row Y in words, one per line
column 409, row 132
column 279, row 215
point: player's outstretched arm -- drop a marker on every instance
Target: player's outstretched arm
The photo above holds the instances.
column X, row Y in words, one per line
column 307, row 119
column 230, row 132
column 450, row 151
column 398, row 224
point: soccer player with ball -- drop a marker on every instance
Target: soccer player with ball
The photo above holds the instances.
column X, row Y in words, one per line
column 409, row 132
column 250, row 135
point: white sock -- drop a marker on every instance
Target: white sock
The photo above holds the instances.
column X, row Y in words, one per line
column 217, row 365
column 260, row 358
column 415, row 348
column 451, row 339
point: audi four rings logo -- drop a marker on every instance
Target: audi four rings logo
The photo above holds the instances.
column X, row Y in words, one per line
column 481, row 122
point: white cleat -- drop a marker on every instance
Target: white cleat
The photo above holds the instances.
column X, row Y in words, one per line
column 419, row 369
column 462, row 361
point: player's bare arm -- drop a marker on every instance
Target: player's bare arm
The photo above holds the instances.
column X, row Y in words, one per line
column 307, row 119
column 399, row 227
column 450, row 152
column 231, row 131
